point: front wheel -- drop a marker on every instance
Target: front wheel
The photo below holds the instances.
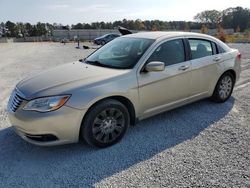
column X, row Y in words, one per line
column 224, row 88
column 105, row 123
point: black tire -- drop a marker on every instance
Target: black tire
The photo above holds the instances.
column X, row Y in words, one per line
column 105, row 124
column 222, row 93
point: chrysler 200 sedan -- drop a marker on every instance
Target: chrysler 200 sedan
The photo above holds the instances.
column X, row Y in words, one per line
column 131, row 78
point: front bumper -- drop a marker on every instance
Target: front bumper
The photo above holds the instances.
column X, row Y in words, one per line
column 47, row 129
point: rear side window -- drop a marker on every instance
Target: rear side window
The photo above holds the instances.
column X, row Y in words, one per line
column 170, row 52
column 217, row 49
column 200, row 48
column 220, row 49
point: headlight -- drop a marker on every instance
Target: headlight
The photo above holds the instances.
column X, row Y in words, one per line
column 46, row 104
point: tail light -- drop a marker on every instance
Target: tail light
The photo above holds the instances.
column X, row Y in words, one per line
column 239, row 56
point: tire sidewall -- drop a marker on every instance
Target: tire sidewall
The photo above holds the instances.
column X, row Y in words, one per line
column 216, row 96
column 87, row 124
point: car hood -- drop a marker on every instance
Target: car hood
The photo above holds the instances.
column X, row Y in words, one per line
column 64, row 78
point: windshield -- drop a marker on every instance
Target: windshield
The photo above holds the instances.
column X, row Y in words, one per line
column 121, row 53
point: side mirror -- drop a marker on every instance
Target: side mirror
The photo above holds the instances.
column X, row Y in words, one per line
column 155, row 66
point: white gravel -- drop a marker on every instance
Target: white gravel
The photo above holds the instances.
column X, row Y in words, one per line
column 201, row 144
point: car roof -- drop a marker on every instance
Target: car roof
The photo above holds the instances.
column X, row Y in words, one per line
column 164, row 34
column 161, row 35
column 153, row 34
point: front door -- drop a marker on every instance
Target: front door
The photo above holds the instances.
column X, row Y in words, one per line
column 160, row 90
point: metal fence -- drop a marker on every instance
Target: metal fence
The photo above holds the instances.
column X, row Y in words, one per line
column 83, row 34
column 33, row 39
column 87, row 34
column 3, row 40
column 90, row 34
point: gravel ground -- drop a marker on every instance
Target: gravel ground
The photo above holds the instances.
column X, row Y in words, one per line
column 201, row 144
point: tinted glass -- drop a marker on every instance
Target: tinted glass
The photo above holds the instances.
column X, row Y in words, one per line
column 220, row 49
column 170, row 52
column 200, row 48
column 120, row 53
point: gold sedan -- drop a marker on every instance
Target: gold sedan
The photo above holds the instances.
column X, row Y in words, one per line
column 131, row 78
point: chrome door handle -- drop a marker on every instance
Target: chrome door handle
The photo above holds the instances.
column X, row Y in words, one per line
column 184, row 67
column 217, row 59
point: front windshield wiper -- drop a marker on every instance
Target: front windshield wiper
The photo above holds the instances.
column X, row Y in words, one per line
column 97, row 63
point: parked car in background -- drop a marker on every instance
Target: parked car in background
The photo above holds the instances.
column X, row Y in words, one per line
column 131, row 78
column 106, row 38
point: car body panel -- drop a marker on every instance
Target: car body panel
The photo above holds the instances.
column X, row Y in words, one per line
column 63, row 123
column 204, row 72
column 62, row 79
column 155, row 86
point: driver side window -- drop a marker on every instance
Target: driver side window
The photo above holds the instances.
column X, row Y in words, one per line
column 170, row 52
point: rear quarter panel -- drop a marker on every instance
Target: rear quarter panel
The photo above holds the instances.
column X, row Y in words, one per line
column 229, row 61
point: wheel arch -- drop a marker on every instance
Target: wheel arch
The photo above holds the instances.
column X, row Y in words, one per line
column 124, row 100
column 226, row 71
column 229, row 71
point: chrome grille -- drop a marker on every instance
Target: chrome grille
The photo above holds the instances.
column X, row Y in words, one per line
column 15, row 100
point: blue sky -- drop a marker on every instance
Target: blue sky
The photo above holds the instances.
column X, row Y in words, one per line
column 87, row 11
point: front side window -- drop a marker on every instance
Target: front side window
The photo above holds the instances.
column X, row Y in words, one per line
column 200, row 48
column 120, row 53
column 170, row 52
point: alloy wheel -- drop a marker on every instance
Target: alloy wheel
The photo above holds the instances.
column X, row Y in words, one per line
column 225, row 87
column 108, row 125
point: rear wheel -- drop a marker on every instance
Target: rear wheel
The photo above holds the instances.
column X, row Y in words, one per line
column 103, row 42
column 105, row 124
column 224, row 88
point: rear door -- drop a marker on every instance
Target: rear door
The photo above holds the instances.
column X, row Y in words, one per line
column 204, row 61
column 160, row 90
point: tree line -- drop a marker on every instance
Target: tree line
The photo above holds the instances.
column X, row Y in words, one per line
column 237, row 18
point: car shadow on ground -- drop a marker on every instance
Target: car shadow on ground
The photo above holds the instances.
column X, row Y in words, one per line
column 26, row 165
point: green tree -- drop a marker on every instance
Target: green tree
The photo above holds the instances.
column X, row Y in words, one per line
column 87, row 26
column 213, row 17
column 20, row 29
column 2, row 29
column 234, row 17
column 29, row 29
column 11, row 29
column 41, row 29
column 49, row 28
